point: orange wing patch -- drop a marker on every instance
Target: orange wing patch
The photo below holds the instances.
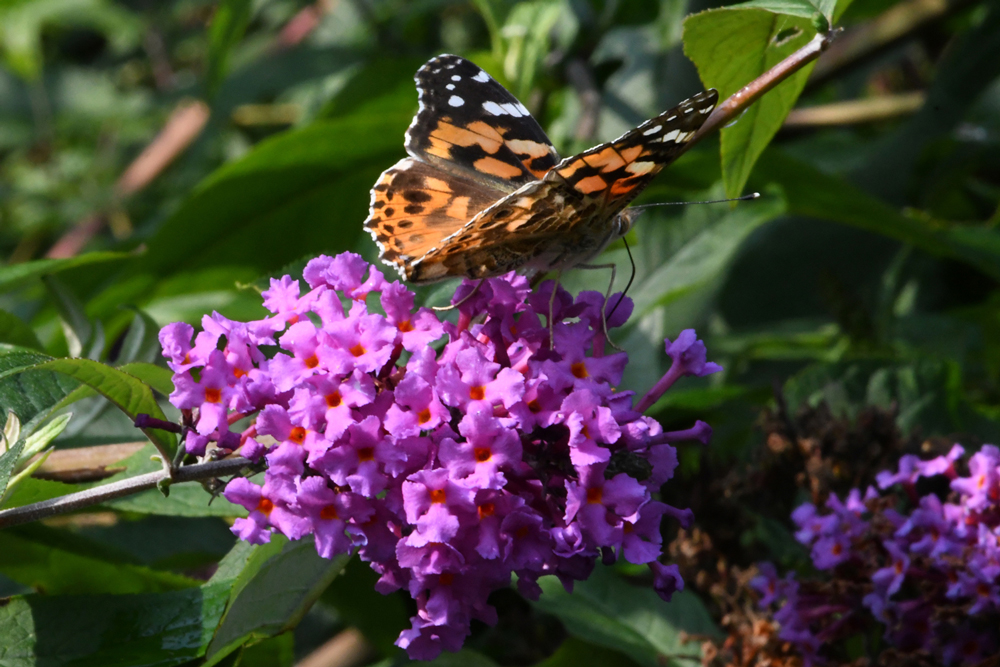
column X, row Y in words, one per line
column 414, row 207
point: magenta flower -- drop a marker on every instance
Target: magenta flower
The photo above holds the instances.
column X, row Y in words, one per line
column 448, row 469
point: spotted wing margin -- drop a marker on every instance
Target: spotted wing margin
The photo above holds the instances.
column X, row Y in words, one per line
column 616, row 172
column 470, row 125
column 414, row 206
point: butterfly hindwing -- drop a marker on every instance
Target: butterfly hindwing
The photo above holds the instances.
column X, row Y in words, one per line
column 415, row 205
column 468, row 123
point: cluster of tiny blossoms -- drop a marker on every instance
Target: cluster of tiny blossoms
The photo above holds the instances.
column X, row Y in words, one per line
column 497, row 451
column 930, row 575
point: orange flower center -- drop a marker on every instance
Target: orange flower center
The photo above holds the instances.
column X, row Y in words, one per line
column 329, row 513
column 482, row 454
column 366, row 454
column 405, row 326
column 579, row 370
column 486, row 509
column 239, row 372
column 477, row 393
column 437, row 496
column 534, row 406
column 424, row 416
column 265, row 506
column 333, row 399
column 357, row 350
column 312, row 361
column 298, row 435
column 595, row 495
column 213, row 395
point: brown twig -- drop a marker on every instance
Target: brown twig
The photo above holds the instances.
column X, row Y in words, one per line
column 125, row 487
column 347, row 649
column 750, row 93
column 183, row 126
column 856, row 111
column 86, row 464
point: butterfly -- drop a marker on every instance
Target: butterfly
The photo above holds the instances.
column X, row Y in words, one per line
column 484, row 192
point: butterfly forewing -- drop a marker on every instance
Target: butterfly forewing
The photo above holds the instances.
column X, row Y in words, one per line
column 469, row 123
column 618, row 170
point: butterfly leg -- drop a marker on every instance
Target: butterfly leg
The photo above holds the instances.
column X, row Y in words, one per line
column 607, row 297
column 552, row 310
column 465, row 298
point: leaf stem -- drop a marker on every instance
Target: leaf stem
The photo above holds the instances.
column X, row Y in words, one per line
column 125, row 487
column 750, row 93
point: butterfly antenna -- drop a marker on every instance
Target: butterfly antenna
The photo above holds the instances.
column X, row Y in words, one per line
column 749, row 197
column 630, row 279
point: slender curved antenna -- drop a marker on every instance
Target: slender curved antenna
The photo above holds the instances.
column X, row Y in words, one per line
column 630, row 279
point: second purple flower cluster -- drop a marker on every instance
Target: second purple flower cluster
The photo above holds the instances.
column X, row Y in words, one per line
column 929, row 574
column 504, row 449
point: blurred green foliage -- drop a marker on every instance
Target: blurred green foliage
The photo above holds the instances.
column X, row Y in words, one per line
column 867, row 274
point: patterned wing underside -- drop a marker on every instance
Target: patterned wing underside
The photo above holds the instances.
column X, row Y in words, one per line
column 566, row 218
column 415, row 205
column 468, row 124
column 618, row 171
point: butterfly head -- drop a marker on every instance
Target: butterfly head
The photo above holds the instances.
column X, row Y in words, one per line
column 625, row 220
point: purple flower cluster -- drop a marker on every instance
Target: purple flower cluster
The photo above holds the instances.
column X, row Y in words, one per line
column 503, row 449
column 929, row 575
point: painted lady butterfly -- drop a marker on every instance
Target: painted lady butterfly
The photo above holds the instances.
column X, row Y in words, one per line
column 484, row 191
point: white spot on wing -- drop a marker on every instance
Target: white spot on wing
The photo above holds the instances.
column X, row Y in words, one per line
column 455, row 77
column 652, row 130
column 512, row 109
column 455, row 101
column 670, row 136
column 494, row 108
column 450, row 86
column 482, row 77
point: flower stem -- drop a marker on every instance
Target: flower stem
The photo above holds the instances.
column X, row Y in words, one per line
column 125, row 487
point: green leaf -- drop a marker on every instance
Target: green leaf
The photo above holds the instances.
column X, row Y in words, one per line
column 8, row 461
column 275, row 599
column 139, row 630
column 802, row 8
column 15, row 332
column 575, row 652
column 58, row 563
column 126, row 392
column 228, row 25
column 704, row 259
column 296, row 194
column 733, row 46
column 607, row 611
column 141, row 343
column 274, row 652
column 17, row 275
column 463, row 658
column 30, row 394
column 812, row 193
column 379, row 617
